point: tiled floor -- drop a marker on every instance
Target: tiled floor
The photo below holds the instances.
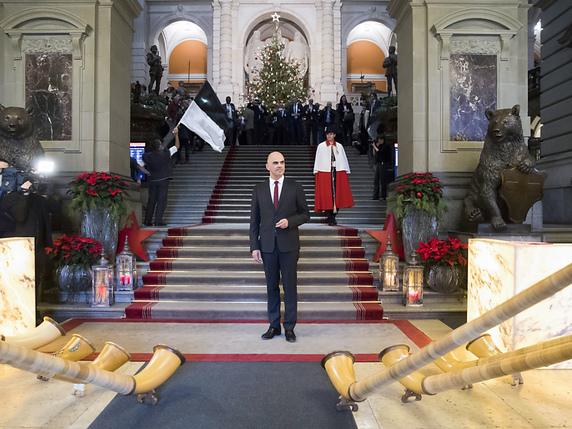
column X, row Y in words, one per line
column 543, row 401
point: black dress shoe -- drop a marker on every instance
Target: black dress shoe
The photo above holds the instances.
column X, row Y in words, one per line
column 290, row 336
column 147, row 224
column 161, row 224
column 271, row 333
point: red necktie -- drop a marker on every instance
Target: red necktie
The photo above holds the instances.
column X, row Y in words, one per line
column 276, row 194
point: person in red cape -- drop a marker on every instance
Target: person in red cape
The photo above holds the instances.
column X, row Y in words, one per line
column 331, row 168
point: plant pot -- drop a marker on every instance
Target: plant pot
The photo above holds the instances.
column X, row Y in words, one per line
column 417, row 226
column 444, row 278
column 74, row 279
column 102, row 226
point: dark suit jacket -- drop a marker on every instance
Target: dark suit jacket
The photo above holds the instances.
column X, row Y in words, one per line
column 233, row 110
column 263, row 217
column 290, row 110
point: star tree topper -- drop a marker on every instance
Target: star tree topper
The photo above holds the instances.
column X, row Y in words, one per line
column 275, row 17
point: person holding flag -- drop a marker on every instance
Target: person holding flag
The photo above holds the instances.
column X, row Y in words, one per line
column 160, row 167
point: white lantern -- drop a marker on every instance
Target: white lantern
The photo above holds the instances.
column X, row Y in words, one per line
column 126, row 277
column 102, row 284
column 413, row 283
column 389, row 269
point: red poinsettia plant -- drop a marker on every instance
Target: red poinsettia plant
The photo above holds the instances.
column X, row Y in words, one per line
column 442, row 252
column 74, row 249
column 422, row 191
column 99, row 189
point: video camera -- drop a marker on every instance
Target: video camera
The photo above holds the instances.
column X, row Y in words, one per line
column 13, row 179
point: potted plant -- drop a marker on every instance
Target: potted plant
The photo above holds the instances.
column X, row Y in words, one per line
column 73, row 256
column 419, row 205
column 100, row 198
column 445, row 263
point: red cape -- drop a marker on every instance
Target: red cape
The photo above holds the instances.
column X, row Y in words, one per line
column 323, row 197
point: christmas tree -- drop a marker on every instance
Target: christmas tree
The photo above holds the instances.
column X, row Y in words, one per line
column 278, row 81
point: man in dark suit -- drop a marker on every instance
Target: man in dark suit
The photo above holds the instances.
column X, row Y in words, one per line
column 278, row 208
column 295, row 124
column 311, row 122
column 259, row 122
column 327, row 118
column 160, row 167
column 233, row 116
column 279, row 122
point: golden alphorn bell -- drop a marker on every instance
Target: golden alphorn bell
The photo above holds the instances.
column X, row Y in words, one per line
column 76, row 349
column 111, row 358
column 403, row 365
column 43, row 334
column 164, row 362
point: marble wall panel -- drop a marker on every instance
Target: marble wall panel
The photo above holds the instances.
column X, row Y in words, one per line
column 49, row 93
column 473, row 89
column 17, row 286
column 498, row 270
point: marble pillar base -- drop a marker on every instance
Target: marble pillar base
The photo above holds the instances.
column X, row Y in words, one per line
column 17, row 286
column 500, row 269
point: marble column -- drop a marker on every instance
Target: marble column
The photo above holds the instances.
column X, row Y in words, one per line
column 225, row 53
column 328, row 42
column 328, row 88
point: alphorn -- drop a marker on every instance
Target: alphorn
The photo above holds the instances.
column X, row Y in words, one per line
column 43, row 334
column 163, row 364
column 351, row 390
column 460, row 374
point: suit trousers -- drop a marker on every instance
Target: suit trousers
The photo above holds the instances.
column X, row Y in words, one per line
column 277, row 262
column 158, row 191
column 381, row 179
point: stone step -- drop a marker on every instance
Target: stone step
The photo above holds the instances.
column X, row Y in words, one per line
column 253, row 293
column 246, row 263
column 244, row 310
column 241, row 251
column 251, row 278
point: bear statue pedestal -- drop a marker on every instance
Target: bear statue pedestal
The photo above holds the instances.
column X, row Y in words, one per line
column 513, row 232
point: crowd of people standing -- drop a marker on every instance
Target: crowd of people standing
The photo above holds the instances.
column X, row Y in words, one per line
column 294, row 123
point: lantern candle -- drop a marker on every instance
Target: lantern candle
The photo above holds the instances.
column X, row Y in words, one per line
column 101, row 293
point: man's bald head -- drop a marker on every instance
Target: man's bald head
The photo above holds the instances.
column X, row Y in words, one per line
column 275, row 165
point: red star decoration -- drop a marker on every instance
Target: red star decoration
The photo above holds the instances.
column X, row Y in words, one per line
column 135, row 236
column 389, row 229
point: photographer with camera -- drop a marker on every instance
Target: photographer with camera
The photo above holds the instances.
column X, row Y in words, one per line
column 383, row 156
column 26, row 213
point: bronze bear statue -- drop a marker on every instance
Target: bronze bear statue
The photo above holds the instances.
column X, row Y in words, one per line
column 504, row 148
column 19, row 145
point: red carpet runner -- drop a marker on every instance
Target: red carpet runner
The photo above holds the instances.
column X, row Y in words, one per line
column 206, row 271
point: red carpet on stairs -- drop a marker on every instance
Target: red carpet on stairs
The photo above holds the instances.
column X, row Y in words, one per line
column 206, row 271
